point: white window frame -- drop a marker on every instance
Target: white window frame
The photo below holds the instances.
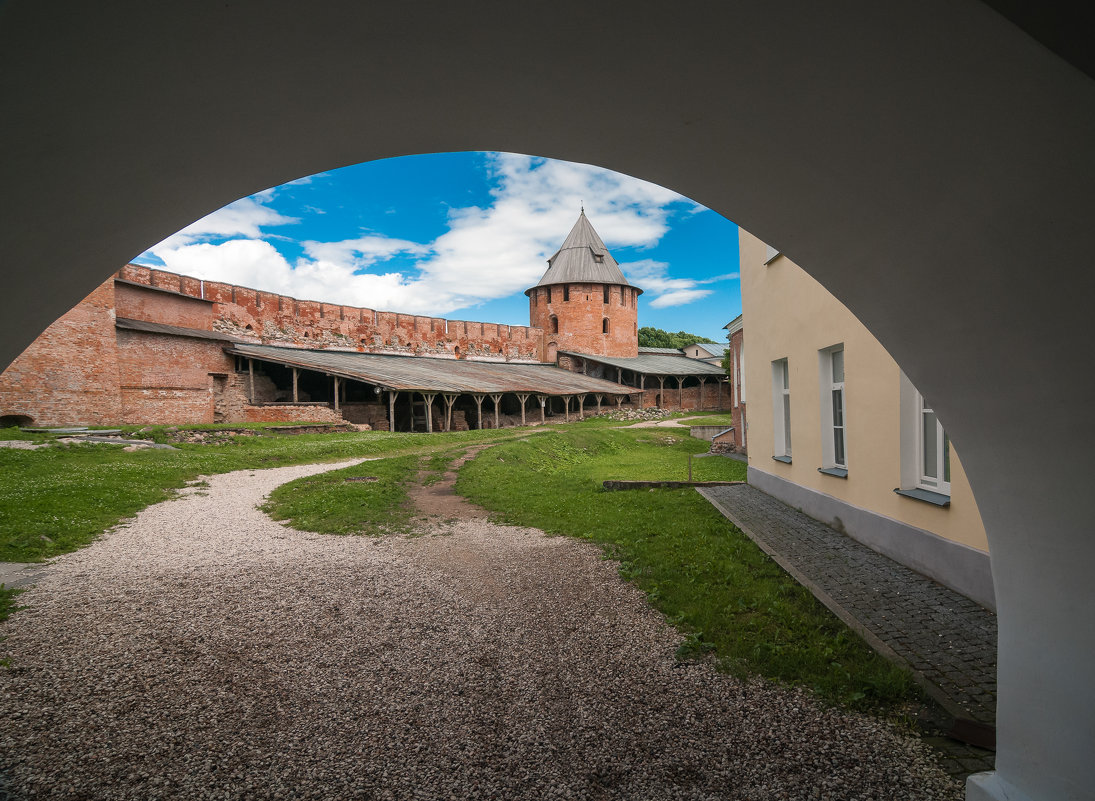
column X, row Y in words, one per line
column 913, row 476
column 781, row 409
column 834, row 427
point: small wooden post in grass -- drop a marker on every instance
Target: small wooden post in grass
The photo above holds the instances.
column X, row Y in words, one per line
column 598, row 396
column 391, row 409
column 522, row 397
column 567, row 408
column 496, row 398
column 543, row 400
column 581, row 405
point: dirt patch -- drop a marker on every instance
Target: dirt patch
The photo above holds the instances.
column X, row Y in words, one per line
column 438, row 500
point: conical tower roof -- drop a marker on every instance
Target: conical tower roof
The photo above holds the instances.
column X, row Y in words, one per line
column 583, row 259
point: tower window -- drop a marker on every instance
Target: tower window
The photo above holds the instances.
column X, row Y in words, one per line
column 606, row 293
column 604, row 326
column 566, row 292
column 554, row 324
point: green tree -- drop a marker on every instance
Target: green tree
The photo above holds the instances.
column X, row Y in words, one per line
column 657, row 338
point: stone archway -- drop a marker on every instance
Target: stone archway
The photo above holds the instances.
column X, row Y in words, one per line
column 923, row 160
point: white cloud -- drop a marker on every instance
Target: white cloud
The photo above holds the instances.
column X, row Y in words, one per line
column 679, row 297
column 653, row 277
column 486, row 253
column 246, row 218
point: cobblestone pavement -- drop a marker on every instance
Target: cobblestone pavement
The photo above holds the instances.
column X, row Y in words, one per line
column 947, row 640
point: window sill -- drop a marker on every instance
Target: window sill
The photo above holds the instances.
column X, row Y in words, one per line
column 838, row 472
column 936, row 498
column 784, row 459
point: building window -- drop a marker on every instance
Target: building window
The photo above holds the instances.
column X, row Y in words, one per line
column 606, row 294
column 554, row 324
column 604, row 326
column 781, row 411
column 566, row 292
column 833, row 441
column 934, row 451
column 925, row 448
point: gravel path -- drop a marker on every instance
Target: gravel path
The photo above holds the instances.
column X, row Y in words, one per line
column 204, row 651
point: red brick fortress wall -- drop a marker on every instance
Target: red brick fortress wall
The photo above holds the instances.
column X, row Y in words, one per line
column 580, row 311
column 282, row 320
column 69, row 375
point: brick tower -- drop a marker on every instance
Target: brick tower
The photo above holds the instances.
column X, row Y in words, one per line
column 583, row 303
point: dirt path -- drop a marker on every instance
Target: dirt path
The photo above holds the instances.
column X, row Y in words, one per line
column 206, row 651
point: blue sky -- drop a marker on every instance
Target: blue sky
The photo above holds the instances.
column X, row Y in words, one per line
column 462, row 235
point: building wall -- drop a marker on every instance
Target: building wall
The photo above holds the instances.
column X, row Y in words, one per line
column 168, row 379
column 737, row 388
column 282, row 320
column 69, row 375
column 791, row 316
column 145, row 303
column 581, row 319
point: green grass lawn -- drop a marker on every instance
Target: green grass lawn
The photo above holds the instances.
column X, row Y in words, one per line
column 57, row 499
column 696, row 567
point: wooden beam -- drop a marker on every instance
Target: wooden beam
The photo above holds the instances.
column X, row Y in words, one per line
column 661, row 391
column 543, row 400
column 702, row 382
column 496, row 398
column 567, row 408
column 336, row 392
column 449, row 401
column 479, row 408
column 296, row 376
column 428, row 398
column 582, row 405
column 522, row 397
column 391, row 409
column 598, row 396
column 680, row 392
column 251, row 379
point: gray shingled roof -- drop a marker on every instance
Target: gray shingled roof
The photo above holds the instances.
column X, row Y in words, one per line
column 583, row 259
column 656, row 364
column 420, row 373
column 174, row 330
column 672, row 351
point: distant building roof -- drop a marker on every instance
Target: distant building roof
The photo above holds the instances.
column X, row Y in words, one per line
column 152, row 288
column 422, row 373
column 734, row 325
column 716, row 351
column 583, row 258
column 656, row 364
column 674, row 351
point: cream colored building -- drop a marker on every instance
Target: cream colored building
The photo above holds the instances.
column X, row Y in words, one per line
column 837, row 430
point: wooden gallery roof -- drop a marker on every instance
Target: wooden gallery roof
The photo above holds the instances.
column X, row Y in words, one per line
column 426, row 374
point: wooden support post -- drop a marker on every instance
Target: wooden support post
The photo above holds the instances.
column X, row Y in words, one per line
column 336, row 392
column 428, row 398
column 598, row 396
column 543, row 400
column 479, row 409
column 582, row 405
column 680, row 392
column 720, row 393
column 703, row 381
column 251, row 380
column 449, row 401
column 619, row 375
column 642, row 381
column 496, row 398
column 567, row 407
column 522, row 397
column 391, row 409
column 296, row 375
column 661, row 391
column 619, row 400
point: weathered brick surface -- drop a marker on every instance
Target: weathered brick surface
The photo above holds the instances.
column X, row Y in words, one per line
column 153, row 305
column 580, row 319
column 167, row 379
column 69, row 375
